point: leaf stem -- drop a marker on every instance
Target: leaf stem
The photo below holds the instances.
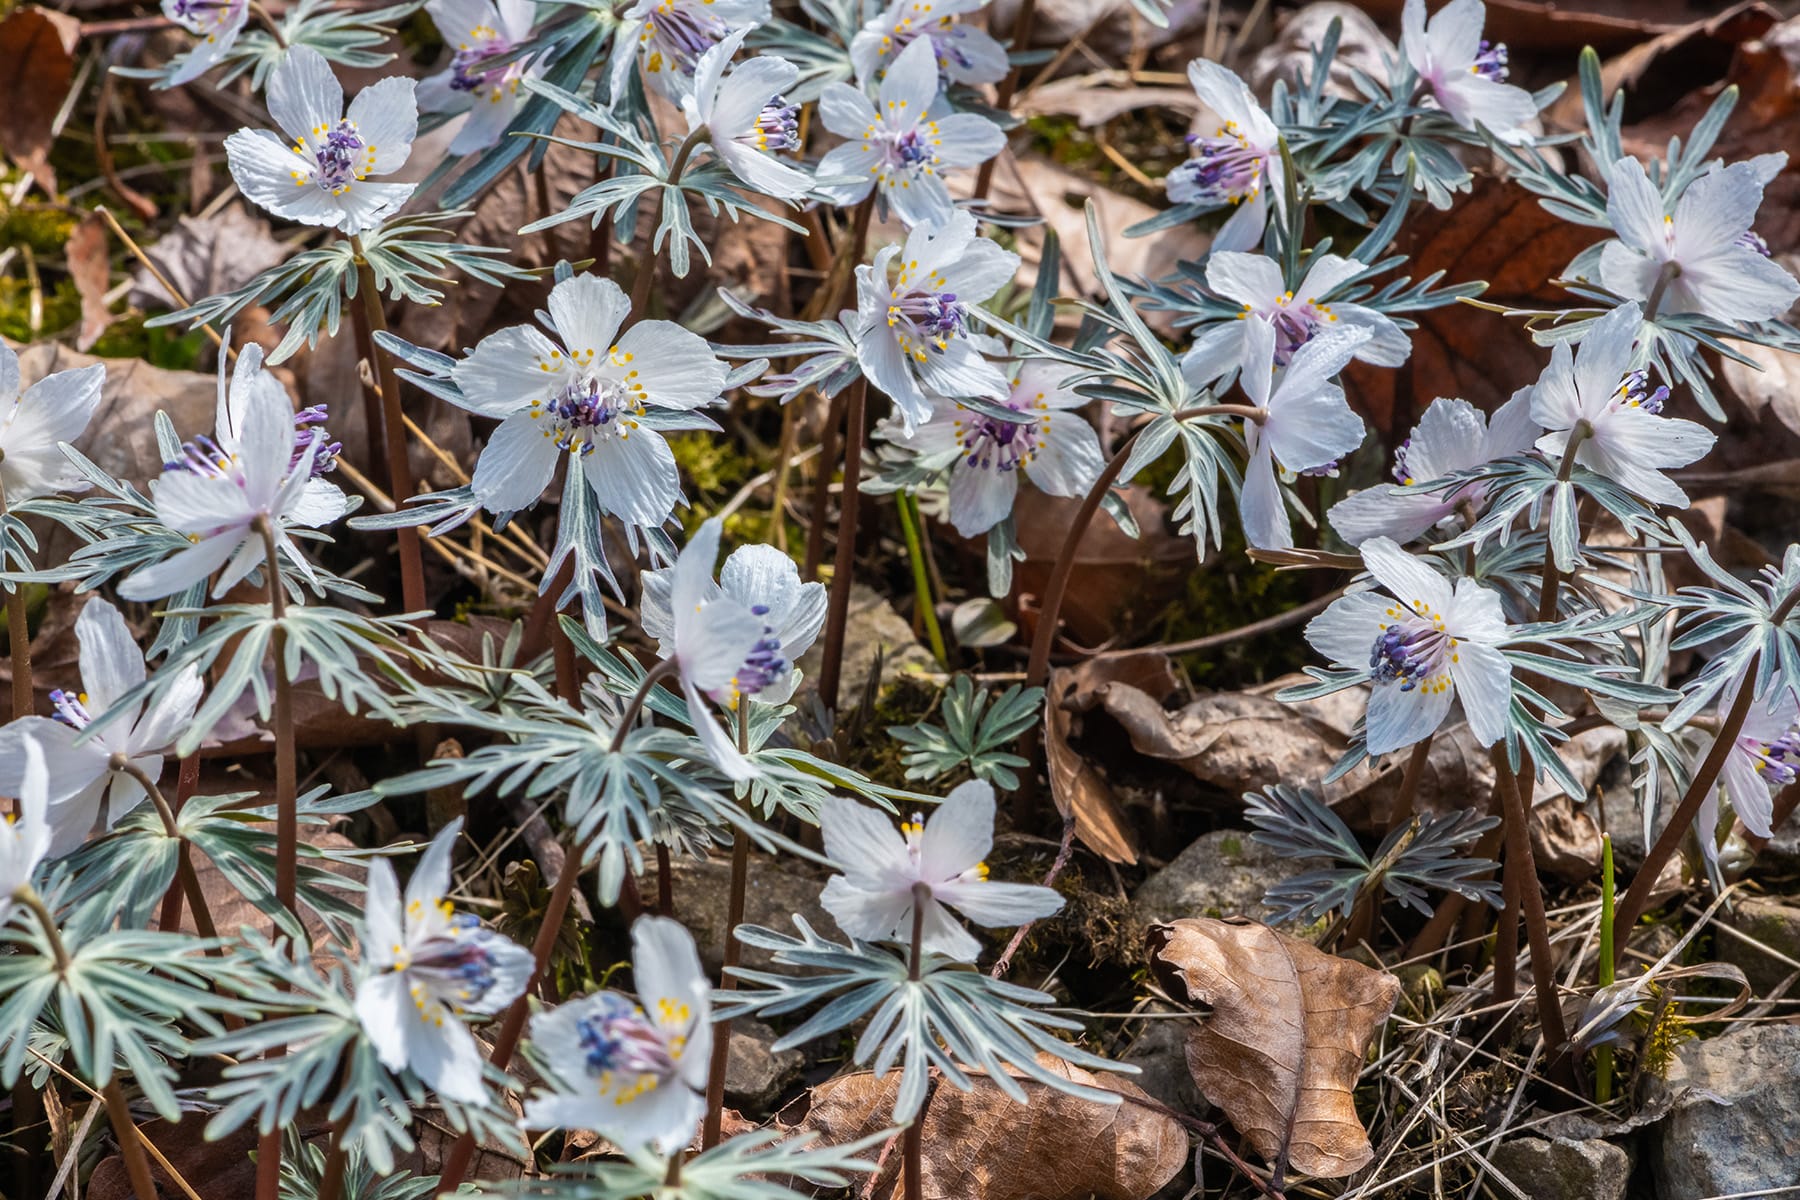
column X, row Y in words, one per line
column 1547, row 591
column 912, row 1145
column 908, row 509
column 734, row 916
column 646, row 259
column 1023, row 24
column 844, row 563
column 18, row 635
column 1537, row 928
column 287, row 820
column 393, row 432
column 185, row 878
column 1603, row 1055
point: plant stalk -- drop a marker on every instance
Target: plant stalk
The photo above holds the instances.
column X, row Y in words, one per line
column 734, row 916
column 1023, row 24
column 18, row 638
column 913, row 1143
column 844, row 563
column 1603, row 1055
column 393, row 433
column 287, row 819
column 908, row 509
column 1537, row 927
column 646, row 261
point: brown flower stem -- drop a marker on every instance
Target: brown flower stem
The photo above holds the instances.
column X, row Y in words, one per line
column 337, row 1157
column 1547, row 591
column 821, row 496
column 393, row 433
column 912, row 1146
column 287, row 819
column 1637, row 897
column 1506, row 935
column 665, row 882
column 1537, row 927
column 1436, row 931
column 18, row 639
column 734, row 916
column 1023, row 24
column 646, row 261
column 185, row 878
column 837, row 615
column 568, row 676
column 512, row 1028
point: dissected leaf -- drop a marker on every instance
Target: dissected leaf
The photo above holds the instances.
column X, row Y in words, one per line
column 91, row 269
column 1078, row 789
column 981, row 1145
column 1284, row 1044
column 37, row 65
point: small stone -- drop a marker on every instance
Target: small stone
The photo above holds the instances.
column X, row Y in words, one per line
column 1223, row 874
column 756, row 1074
column 1777, row 928
column 774, row 891
column 1159, row 1052
column 1734, row 1119
column 871, row 625
column 1563, row 1169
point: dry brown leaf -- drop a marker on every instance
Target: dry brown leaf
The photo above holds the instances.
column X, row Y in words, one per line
column 37, row 65
column 982, row 1145
column 1077, row 788
column 204, row 256
column 1284, row 1044
column 91, row 269
column 1115, row 576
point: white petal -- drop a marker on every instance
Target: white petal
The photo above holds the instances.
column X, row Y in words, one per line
column 1484, row 684
column 384, row 1009
column 844, row 111
column 587, row 311
column 111, row 663
column 910, row 85
column 386, row 115
column 863, row 844
column 516, row 466
column 1408, row 578
column 510, row 370
column 303, row 94
column 980, row 497
column 1399, row 718
column 634, row 476
column 1345, row 632
column 998, row 905
column 1262, row 509
column 674, row 366
column 1253, row 280
column 181, row 570
column 960, row 833
column 1068, row 461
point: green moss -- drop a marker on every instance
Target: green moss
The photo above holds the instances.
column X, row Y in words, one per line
column 1231, row 848
column 62, row 308
column 42, row 227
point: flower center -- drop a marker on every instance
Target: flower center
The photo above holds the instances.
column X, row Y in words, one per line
column 777, row 128
column 484, row 43
column 592, row 409
column 1777, row 761
column 1491, row 61
column 763, row 666
column 309, row 430
column 924, row 316
column 1635, row 392
column 339, row 155
column 911, row 149
column 1413, row 650
column 995, row 445
column 1295, row 323
column 455, row 966
column 619, row 1039
column 205, row 458
column 207, row 16
column 71, row 708
column 1225, row 169
column 1752, row 240
column 677, row 34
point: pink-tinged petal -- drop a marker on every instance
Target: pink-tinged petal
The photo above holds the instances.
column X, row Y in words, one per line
column 1447, row 438
column 1218, row 350
column 1484, row 685
column 1714, row 210
column 1604, row 356
column 1243, row 230
column 1345, row 632
column 1413, row 41
column 1511, row 430
column 868, row 916
column 1454, row 34
column 863, row 843
column 1555, row 404
column 1000, row 905
column 1749, row 793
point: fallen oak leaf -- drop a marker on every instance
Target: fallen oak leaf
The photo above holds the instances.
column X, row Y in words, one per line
column 983, row 1145
column 37, row 67
column 1080, row 792
column 1284, row 1044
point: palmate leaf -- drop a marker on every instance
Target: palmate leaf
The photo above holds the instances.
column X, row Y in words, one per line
column 951, row 1019
column 122, row 1003
column 976, row 731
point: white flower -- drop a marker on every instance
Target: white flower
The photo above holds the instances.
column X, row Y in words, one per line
column 57, row 408
column 716, row 641
column 216, row 23
column 747, row 119
column 1452, row 436
column 965, row 54
column 1307, row 424
column 1627, row 439
column 874, row 897
column 1240, row 165
column 479, row 30
column 1466, row 75
column 672, row 35
column 586, row 394
column 1056, row 448
column 427, row 963
column 912, row 324
column 1254, row 281
column 325, row 176
column 763, row 581
column 897, row 145
column 1703, row 258
column 262, row 464
column 1423, row 648
column 1765, row 756
column 82, row 773
column 634, row 1072
column 25, row 839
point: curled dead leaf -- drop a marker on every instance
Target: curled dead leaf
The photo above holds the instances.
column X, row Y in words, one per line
column 982, row 1145
column 91, row 268
column 1079, row 790
column 37, row 67
column 1285, row 1042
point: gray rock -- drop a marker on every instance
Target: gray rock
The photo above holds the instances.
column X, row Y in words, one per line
column 1159, row 1052
column 1734, row 1118
column 1783, row 851
column 774, row 891
column 1563, row 1169
column 1223, row 874
column 1777, row 928
column 871, row 625
column 756, row 1074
